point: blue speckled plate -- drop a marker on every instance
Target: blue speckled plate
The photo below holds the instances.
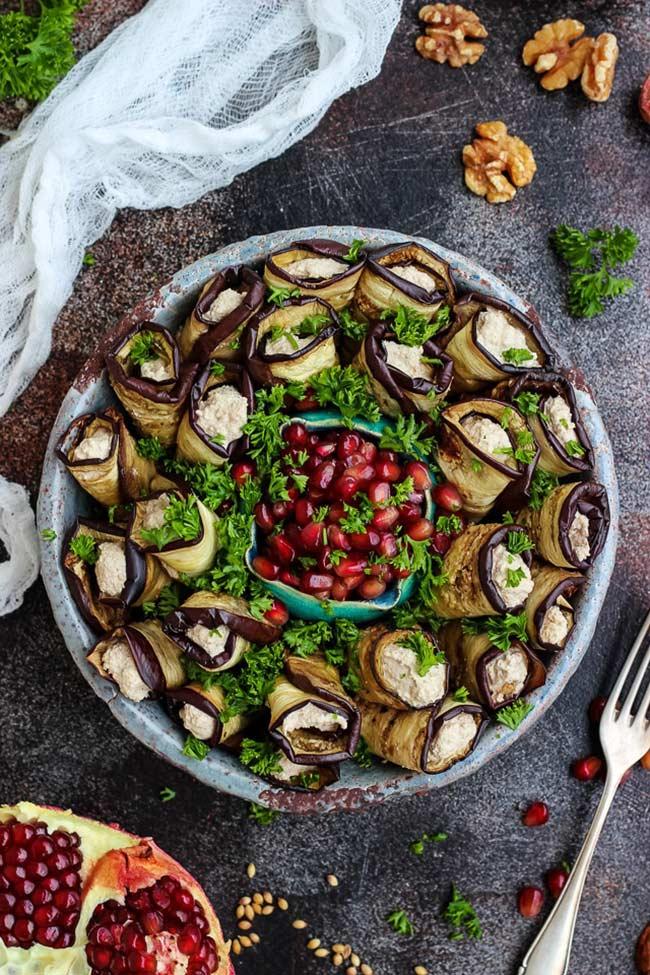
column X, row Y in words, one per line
column 60, row 499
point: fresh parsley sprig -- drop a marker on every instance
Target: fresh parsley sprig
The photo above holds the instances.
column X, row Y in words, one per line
column 85, row 548
column 168, row 600
column 278, row 296
column 400, row 922
column 541, row 485
column 407, row 436
column 261, row 815
column 513, row 714
column 143, row 347
column 593, row 255
column 427, row 654
column 261, row 757
column 501, row 631
column 195, row 748
column 412, row 328
column 461, row 917
column 352, row 255
column 350, row 327
column 347, row 391
column 182, row 522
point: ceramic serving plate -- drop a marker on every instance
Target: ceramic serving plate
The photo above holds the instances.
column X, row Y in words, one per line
column 60, row 500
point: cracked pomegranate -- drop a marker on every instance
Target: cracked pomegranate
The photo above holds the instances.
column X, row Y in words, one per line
column 146, row 914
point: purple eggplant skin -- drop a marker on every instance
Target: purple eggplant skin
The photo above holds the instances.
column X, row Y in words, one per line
column 485, row 566
column 176, row 624
column 157, row 392
column 237, row 375
column 259, row 364
column 217, row 332
column 396, row 382
column 319, row 248
column 590, row 499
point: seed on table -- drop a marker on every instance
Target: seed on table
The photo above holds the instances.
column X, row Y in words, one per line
column 255, row 938
column 257, row 908
column 299, row 923
column 283, row 904
column 332, row 880
column 338, row 948
column 347, row 951
column 354, row 958
column 313, row 943
column 366, row 969
column 236, row 947
column 239, row 913
column 337, row 959
column 321, row 952
column 249, row 912
column 268, row 909
column 250, row 870
column 268, row 897
column 244, row 900
column 420, row 970
column 351, row 970
column 244, row 925
column 246, row 941
column 258, row 899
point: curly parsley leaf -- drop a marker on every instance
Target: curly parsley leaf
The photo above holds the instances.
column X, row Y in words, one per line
column 592, row 256
column 182, row 522
column 400, row 923
column 353, row 253
column 414, row 329
column 278, row 296
column 350, row 327
column 541, row 485
column 48, row 534
column 347, row 391
column 85, row 548
column 427, row 654
column 513, row 714
column 261, row 757
column 143, row 348
column 461, row 917
column 501, row 631
column 195, row 748
column 151, row 448
column 168, row 600
column 407, row 436
column 261, row 815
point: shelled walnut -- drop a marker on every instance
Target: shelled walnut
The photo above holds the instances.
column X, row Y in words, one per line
column 552, row 53
column 446, row 37
column 598, row 74
column 496, row 164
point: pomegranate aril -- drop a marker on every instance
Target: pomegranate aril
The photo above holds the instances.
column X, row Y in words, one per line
column 303, row 511
column 316, row 582
column 369, row 450
column 335, row 513
column 283, row 551
column 337, row 538
column 264, row 516
column 23, row 833
column 419, row 473
column 339, row 590
column 22, row 887
column 8, row 902
column 280, row 509
column 536, row 814
column 345, row 487
column 48, row 936
column 46, row 915
column 325, row 450
column 68, row 879
column 530, row 901
column 289, row 578
column 387, row 546
column 41, row 896
column 15, row 855
column 362, row 473
column 371, row 588
column 348, row 443
column 388, row 470
column 36, row 871
column 447, row 496
column 296, row 435
column 409, row 512
column 556, row 880
column 189, row 940
column 586, row 769
column 311, row 536
column 133, row 939
column 65, row 900
column 420, row 530
column 324, row 560
column 378, row 491
column 23, row 929
column 385, row 518
column 596, row 708
column 277, row 613
column 364, row 540
column 351, row 565
column 24, row 908
column 321, row 477
column 99, row 957
column 265, row 568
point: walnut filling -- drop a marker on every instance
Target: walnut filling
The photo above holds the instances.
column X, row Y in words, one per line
column 97, row 446
column 197, row 722
column 408, row 272
column 315, row 267
column 119, row 664
column 503, row 340
column 453, row 741
column 579, row 537
column 285, row 344
column 222, row 414
column 312, row 717
column 557, row 414
column 110, row 568
column 487, row 435
column 224, row 304
column 212, row 641
column 157, row 369
column 153, row 512
column 511, row 576
column 408, row 359
column 556, row 625
column 506, row 675
column 400, row 674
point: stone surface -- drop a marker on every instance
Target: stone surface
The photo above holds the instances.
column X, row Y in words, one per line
column 386, row 155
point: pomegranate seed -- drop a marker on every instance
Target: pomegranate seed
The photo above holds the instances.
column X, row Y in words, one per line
column 348, row 443
column 351, row 565
column 316, row 582
column 48, row 936
column 447, row 496
column 242, row 471
column 371, row 588
column 336, row 512
column 419, row 473
column 351, row 582
column 363, row 472
column 46, row 915
column 388, row 470
column 379, row 491
column 586, row 769
column 99, row 957
column 440, row 543
column 321, row 477
column 409, row 512
column 386, row 456
column 339, row 590
column 387, row 546
column 303, row 511
column 535, row 815
column 555, row 881
column 419, row 530
column 384, row 518
column 325, row 450
column 337, row 538
column 368, row 450
column 345, row 487
column 8, row 902
column 265, row 568
column 23, row 833
column 596, row 709
column 23, row 929
column 364, row 540
column 277, row 613
column 282, row 550
column 530, row 901
column 264, row 517
column 296, row 435
column 289, row 578
column 280, row 509
column 324, row 560
column 152, row 922
column 380, row 571
column 189, row 940
column 16, row 855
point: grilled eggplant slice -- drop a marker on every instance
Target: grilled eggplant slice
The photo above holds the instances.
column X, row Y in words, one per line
column 216, row 630
column 570, row 528
column 389, row 664
column 149, row 379
column 100, row 453
column 214, row 326
column 548, row 401
column 425, row 740
column 140, row 659
column 405, row 274
column 492, row 676
column 550, row 609
column 312, row 718
column 199, row 711
column 318, row 269
column 292, row 342
column 488, row 452
column 490, row 340
column 479, row 566
column 153, row 528
column 219, row 405
column 403, row 378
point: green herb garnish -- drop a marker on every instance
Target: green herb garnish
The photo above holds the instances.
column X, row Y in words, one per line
column 400, row 922
column 85, row 548
column 414, row 329
column 514, row 577
column 417, row 846
column 168, row 600
column 48, row 534
column 195, row 748
column 513, row 714
column 261, row 757
column 574, row 449
column 516, row 357
column 89, row 259
column 461, row 917
column 592, row 256
column 541, row 485
column 461, row 694
column 425, row 651
column 350, row 327
column 407, row 436
column 527, row 403
column 518, row 542
column 167, row 794
column 182, row 522
column 151, row 448
column 217, row 369
column 353, row 253
column 363, row 755
column 348, row 391
column 278, row 296
column 143, row 348
column 261, row 815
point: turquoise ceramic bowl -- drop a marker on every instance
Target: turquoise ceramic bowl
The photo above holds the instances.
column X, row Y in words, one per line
column 308, row 607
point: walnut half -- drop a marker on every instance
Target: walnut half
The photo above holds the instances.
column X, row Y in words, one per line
column 553, row 55
column 445, row 37
column 496, row 163
column 598, row 74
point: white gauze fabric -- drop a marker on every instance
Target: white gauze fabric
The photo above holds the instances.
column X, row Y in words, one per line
column 176, row 102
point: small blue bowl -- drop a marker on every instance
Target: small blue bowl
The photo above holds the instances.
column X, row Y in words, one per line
column 307, row 607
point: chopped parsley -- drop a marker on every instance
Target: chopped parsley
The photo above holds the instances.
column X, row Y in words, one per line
column 348, row 391
column 527, row 403
column 417, row 846
column 278, row 296
column 574, row 449
column 516, row 357
column 261, row 815
column 48, row 534
column 264, row 427
column 247, row 687
column 85, row 548
column 541, row 485
column 261, row 757
column 167, row 794
column 350, row 327
column 513, row 714
column 400, row 922
column 143, row 347
column 500, row 630
column 518, row 542
column 461, row 694
column 151, row 448
column 217, row 369
column 412, row 328
column 461, row 917
column 425, row 651
column 363, row 755
column 357, row 519
column 182, row 522
column 304, row 639
column 168, row 600
column 353, row 253
column 514, row 577
column 449, row 524
column 89, row 259
column 476, row 465
column 195, row 748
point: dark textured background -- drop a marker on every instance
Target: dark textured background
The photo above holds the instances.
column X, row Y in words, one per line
column 387, row 155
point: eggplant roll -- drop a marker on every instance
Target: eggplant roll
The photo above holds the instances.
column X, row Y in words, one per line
column 219, row 405
column 304, row 778
column 140, row 659
column 100, row 453
column 549, row 404
column 317, row 269
column 216, row 630
column 570, row 528
column 199, row 711
column 292, row 342
column 549, row 608
column 189, row 555
column 403, row 378
column 479, row 443
column 213, row 327
column 484, row 578
column 149, row 379
column 403, row 274
column 388, row 668
column 490, row 340
column 492, row 676
column 312, row 718
column 115, row 576
column 426, row 740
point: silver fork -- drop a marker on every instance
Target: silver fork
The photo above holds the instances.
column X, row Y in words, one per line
column 625, row 738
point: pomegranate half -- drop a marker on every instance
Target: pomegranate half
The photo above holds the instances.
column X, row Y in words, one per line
column 81, row 898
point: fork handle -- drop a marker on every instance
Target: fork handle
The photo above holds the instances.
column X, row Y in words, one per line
column 550, row 952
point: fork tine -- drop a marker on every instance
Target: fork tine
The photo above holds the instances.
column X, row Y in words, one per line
column 626, row 706
column 641, row 714
column 617, row 689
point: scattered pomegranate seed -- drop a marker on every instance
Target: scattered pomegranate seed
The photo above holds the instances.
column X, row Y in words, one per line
column 530, row 901
column 596, row 709
column 243, row 470
column 555, row 881
column 265, row 568
column 536, row 814
column 312, row 536
column 440, row 543
column 586, row 769
column 321, row 477
column 447, row 496
column 317, row 582
column 277, row 613
column 289, row 578
column 348, row 444
column 345, row 487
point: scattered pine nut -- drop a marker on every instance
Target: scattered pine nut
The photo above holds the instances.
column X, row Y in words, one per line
column 332, row 880
column 347, row 951
column 255, row 938
column 313, row 943
column 257, row 908
column 337, row 959
column 244, row 925
column 321, row 952
column 366, row 970
column 268, row 897
column 249, row 912
column 239, row 913
column 236, row 947
column 354, row 958
column 299, row 923
column 268, row 909
column 246, row 941
column 283, row 904
column 257, row 898
column 420, row 970
column 250, row 870
column 351, row 970
column 338, row 948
